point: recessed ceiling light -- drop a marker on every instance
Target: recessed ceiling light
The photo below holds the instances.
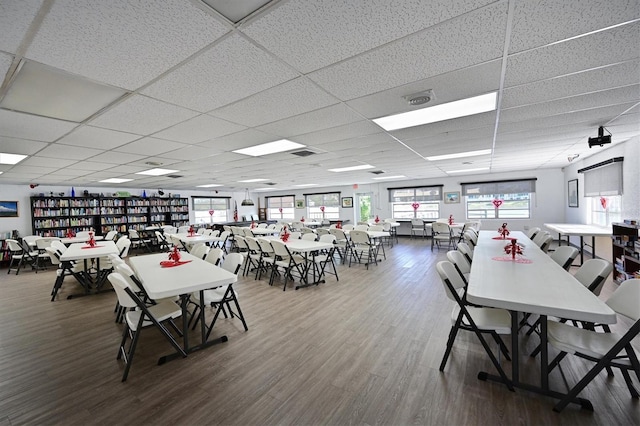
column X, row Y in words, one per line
column 479, row 169
column 389, row 177
column 115, row 180
column 157, row 172
column 209, row 185
column 253, row 180
column 269, row 148
column 11, row 158
column 459, row 155
column 447, row 111
column 352, row 168
column 307, row 184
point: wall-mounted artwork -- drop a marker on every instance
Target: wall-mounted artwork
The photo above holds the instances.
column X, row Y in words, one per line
column 8, row 209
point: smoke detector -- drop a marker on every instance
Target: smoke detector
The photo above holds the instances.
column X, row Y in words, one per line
column 419, row 98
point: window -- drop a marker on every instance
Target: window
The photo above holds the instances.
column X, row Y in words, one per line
column 279, row 208
column 203, row 205
column 425, row 199
column 515, row 197
column 604, row 213
column 329, row 201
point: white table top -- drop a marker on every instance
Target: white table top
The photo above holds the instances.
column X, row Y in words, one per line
column 78, row 252
column 162, row 282
column 308, row 223
column 74, row 240
column 541, row 287
column 263, row 231
column 578, row 229
column 373, row 234
column 302, row 246
column 196, row 238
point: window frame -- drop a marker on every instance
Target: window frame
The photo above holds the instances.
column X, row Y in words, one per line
column 426, row 198
column 278, row 207
column 220, row 215
column 330, row 201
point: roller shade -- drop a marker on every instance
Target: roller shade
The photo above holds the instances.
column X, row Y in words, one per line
column 603, row 178
column 514, row 186
column 417, row 194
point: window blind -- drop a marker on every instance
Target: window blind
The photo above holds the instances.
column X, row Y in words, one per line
column 603, row 178
column 416, row 193
column 514, row 186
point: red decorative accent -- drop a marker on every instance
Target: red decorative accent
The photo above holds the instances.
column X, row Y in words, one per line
column 171, row 263
column 92, row 240
column 513, row 248
column 450, row 219
column 509, row 259
column 503, row 231
column 70, row 233
column 322, row 209
column 174, row 254
column 211, row 212
column 235, row 211
column 280, row 209
column 339, row 225
column 603, row 203
column 285, row 235
column 415, row 206
column 191, row 231
column 90, row 247
column 377, row 219
column 497, row 203
column 302, row 219
column 253, row 225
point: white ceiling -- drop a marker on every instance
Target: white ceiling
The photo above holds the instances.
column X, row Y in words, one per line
column 316, row 72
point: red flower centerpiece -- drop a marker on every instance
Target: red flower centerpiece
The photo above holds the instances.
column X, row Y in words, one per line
column 503, row 231
column 377, row 219
column 191, row 231
column 174, row 254
column 513, row 248
column 451, row 220
column 285, row 235
column 339, row 225
column 92, row 241
column 70, row 233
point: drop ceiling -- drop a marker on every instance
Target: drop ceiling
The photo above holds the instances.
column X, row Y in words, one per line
column 190, row 86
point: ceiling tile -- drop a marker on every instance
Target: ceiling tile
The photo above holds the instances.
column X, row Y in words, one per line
column 114, row 157
column 70, row 152
column 210, row 80
column 25, row 126
column 95, row 137
column 199, row 129
column 325, row 118
column 238, row 140
column 188, row 153
column 47, row 162
column 348, row 131
column 119, row 42
column 419, row 56
column 15, row 19
column 20, row 146
column 150, row 146
column 142, row 115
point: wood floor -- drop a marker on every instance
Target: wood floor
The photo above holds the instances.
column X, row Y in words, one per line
column 364, row 350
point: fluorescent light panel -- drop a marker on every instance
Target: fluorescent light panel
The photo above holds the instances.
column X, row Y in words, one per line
column 11, row 158
column 116, row 180
column 352, row 168
column 269, row 148
column 389, row 177
column 253, row 180
column 157, row 172
column 49, row 92
column 447, row 111
column 479, row 169
column 209, row 185
column 460, row 155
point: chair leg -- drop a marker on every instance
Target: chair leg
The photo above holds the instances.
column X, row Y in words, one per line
column 452, row 337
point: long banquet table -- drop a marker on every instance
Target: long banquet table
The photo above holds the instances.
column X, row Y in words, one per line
column 541, row 287
column 83, row 252
column 579, row 230
column 197, row 275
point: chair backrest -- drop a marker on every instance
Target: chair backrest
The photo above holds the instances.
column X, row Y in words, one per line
column 200, row 250
column 42, row 243
column 466, row 250
column 327, row 238
column 295, row 235
column 564, row 256
column 57, row 244
column 306, row 230
column 183, row 229
column 280, row 249
column 441, row 228
column 364, row 227
column 471, row 239
column 252, row 244
column 201, row 231
column 129, row 276
column 532, row 232
column 450, row 278
column 546, row 243
column 539, row 238
column 262, row 225
column 214, row 256
column 82, row 234
column 265, row 246
column 417, row 223
column 232, row 262
column 339, row 233
column 53, row 255
column 214, row 232
column 123, row 245
column 31, row 239
column 119, row 284
column 347, row 227
column 14, row 245
column 359, row 237
column 309, row 236
column 460, row 262
column 376, row 228
column 626, row 299
column 168, row 229
column 322, row 231
column 593, row 273
column 133, row 234
column 111, row 235
column 386, row 226
column 241, row 243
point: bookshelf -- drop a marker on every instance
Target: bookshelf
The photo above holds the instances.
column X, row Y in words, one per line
column 626, row 251
column 54, row 216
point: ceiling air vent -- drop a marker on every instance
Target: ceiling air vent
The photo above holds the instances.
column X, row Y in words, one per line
column 377, row 172
column 303, row 153
column 271, row 183
column 174, row 176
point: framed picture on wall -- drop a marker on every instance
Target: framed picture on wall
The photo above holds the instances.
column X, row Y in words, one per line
column 8, row 209
column 572, row 193
column 452, row 197
column 300, row 203
column 347, row 202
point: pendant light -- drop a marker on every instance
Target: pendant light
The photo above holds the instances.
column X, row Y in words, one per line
column 247, row 200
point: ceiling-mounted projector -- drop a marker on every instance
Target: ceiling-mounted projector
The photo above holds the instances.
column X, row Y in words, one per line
column 601, row 139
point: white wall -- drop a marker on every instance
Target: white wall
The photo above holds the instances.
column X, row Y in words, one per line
column 22, row 194
column 548, row 203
